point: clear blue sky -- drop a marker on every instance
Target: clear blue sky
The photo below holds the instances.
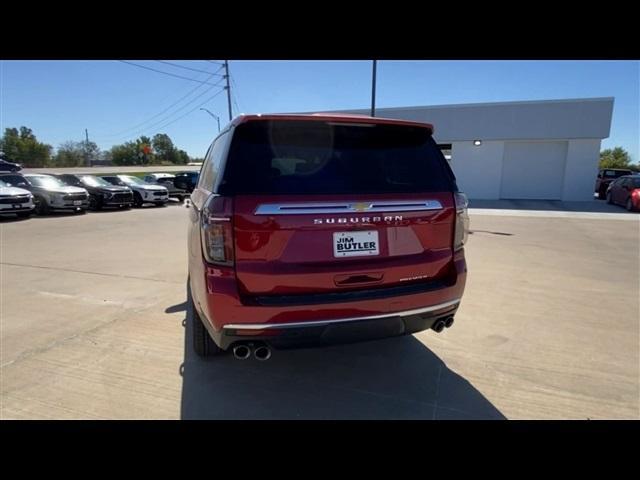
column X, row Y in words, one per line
column 117, row 102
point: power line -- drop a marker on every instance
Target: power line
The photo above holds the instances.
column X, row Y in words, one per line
column 165, row 73
column 155, row 124
column 234, row 94
column 135, row 127
column 193, row 110
column 192, row 69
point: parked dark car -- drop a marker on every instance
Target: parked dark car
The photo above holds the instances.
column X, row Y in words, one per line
column 143, row 192
column 101, row 192
column 606, row 176
column 625, row 191
column 6, row 166
column 312, row 229
column 186, row 181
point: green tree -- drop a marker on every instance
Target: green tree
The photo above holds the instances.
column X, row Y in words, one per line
column 617, row 157
column 145, row 151
column 70, row 154
column 164, row 149
column 183, row 157
column 125, row 154
column 75, row 154
column 23, row 147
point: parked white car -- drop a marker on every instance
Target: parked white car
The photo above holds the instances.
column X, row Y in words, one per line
column 167, row 180
column 15, row 200
column 143, row 192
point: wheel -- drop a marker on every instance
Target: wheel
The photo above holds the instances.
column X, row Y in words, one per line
column 609, row 199
column 203, row 344
column 23, row 214
column 629, row 205
column 42, row 207
column 602, row 194
column 137, row 200
column 94, row 203
column 126, row 206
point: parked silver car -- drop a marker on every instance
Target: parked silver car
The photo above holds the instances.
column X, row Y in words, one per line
column 50, row 193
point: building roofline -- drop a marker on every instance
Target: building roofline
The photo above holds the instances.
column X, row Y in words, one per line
column 487, row 104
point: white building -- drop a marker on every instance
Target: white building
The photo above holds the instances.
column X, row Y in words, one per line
column 546, row 150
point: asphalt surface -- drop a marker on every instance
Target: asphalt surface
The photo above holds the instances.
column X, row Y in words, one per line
column 93, row 325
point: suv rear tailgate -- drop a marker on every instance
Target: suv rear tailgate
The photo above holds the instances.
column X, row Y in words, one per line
column 295, row 253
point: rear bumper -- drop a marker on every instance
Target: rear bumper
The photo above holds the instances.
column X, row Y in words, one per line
column 229, row 320
column 336, row 331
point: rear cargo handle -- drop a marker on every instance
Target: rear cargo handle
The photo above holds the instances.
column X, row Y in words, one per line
column 357, row 279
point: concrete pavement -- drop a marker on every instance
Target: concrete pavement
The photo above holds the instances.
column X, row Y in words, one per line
column 93, row 324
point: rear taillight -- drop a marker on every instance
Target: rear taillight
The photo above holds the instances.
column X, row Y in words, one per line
column 217, row 230
column 462, row 221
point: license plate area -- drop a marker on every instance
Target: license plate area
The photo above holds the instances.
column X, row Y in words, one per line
column 356, row 244
column 77, row 202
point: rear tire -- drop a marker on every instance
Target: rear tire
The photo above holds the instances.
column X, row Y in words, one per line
column 94, row 203
column 203, row 344
column 609, row 199
column 602, row 194
column 43, row 207
column 629, row 205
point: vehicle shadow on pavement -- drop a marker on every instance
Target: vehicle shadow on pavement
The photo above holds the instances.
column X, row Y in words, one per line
column 396, row 378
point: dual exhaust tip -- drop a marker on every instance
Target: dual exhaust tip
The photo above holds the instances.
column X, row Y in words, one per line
column 442, row 323
column 243, row 351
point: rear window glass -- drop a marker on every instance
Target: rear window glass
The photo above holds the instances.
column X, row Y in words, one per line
column 313, row 157
column 615, row 173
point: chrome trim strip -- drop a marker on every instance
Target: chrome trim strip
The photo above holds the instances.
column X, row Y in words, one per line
column 352, row 207
column 316, row 323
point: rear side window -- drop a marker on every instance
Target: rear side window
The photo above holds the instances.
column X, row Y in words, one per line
column 212, row 164
column 313, row 157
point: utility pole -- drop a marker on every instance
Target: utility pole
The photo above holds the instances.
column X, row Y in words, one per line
column 86, row 148
column 226, row 70
column 373, row 90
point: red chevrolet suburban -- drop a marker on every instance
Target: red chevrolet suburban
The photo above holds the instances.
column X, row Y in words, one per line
column 319, row 229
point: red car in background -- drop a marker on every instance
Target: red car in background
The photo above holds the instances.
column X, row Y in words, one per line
column 606, row 176
column 320, row 229
column 625, row 191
